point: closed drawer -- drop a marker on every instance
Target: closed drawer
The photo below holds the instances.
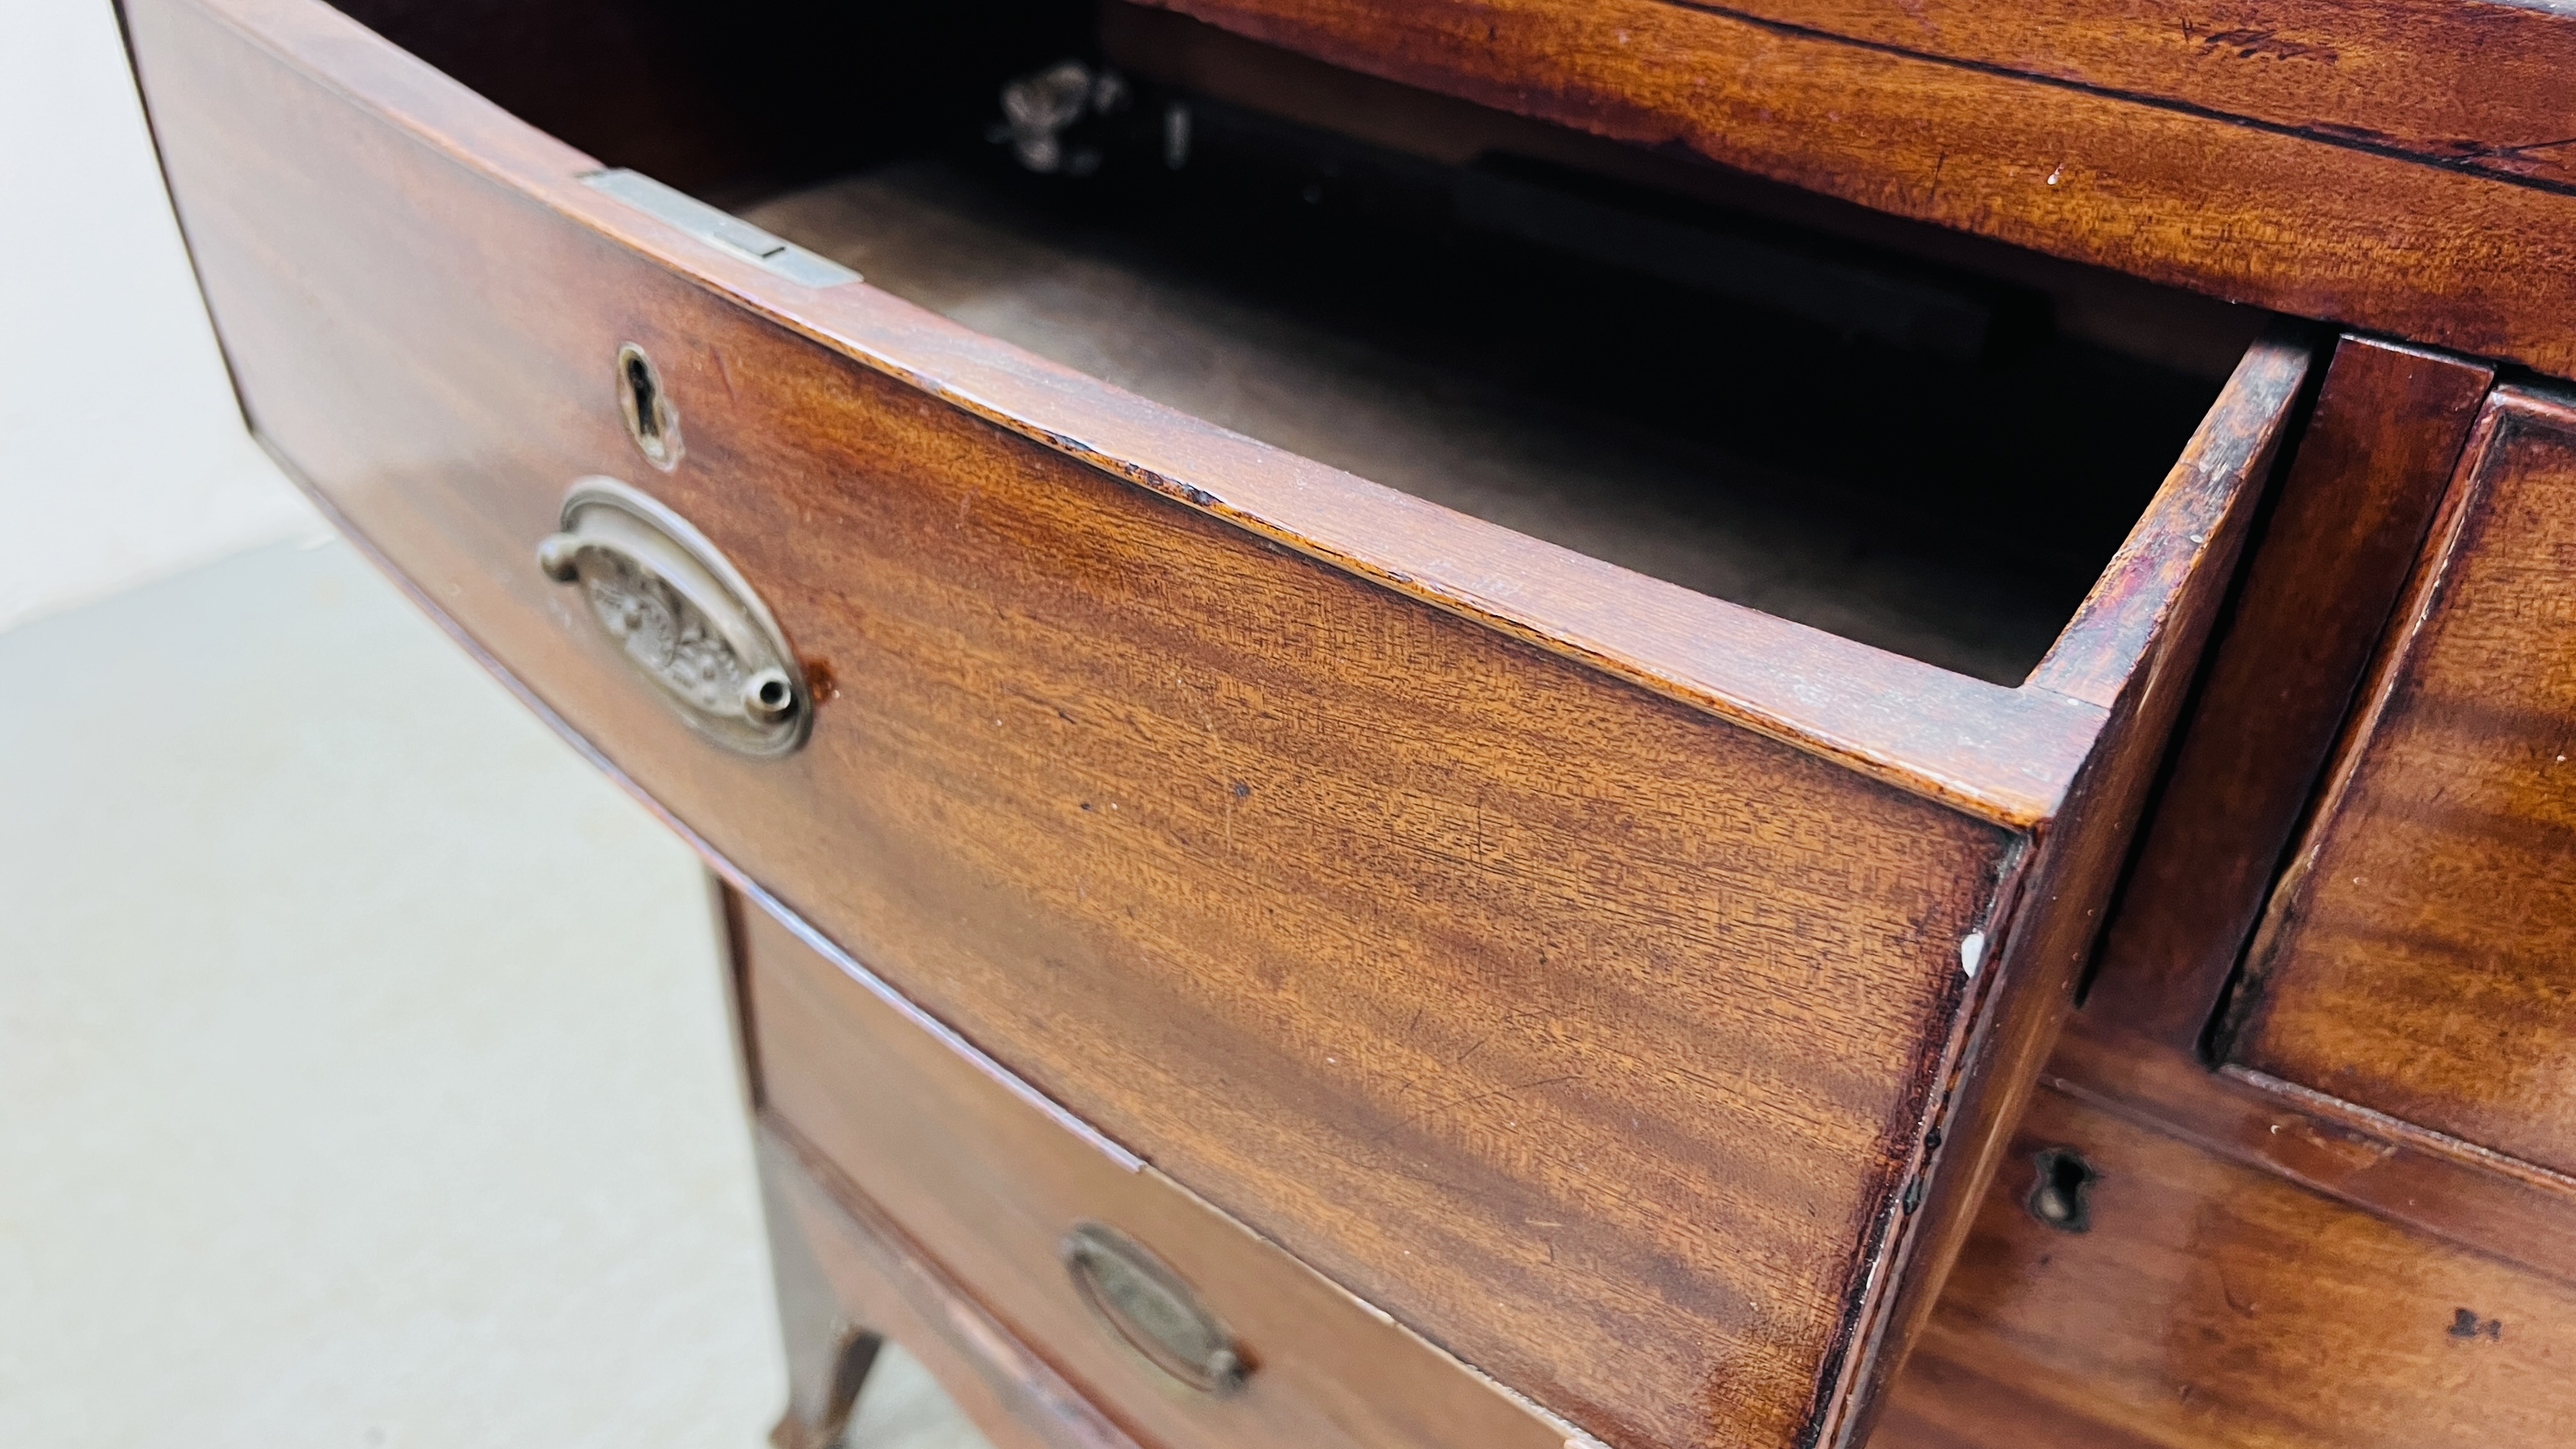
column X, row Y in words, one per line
column 1622, row 986
column 2414, row 956
column 1001, row 1195
column 2199, row 1301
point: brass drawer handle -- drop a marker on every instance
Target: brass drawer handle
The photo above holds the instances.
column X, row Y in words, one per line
column 683, row 615
column 1151, row 1310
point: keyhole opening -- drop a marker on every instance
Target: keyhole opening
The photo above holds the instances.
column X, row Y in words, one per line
column 639, row 378
column 2060, row 1197
column 651, row 420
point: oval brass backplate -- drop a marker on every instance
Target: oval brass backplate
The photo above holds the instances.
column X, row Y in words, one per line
column 1151, row 1310
column 683, row 616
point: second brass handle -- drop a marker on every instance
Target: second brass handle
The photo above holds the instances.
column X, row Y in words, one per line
column 1140, row 1299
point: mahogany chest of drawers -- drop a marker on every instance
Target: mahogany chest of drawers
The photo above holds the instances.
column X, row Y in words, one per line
column 1420, row 717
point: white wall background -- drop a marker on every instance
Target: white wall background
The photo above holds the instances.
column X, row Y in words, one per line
column 122, row 456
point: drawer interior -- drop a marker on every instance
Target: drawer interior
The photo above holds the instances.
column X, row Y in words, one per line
column 1923, row 444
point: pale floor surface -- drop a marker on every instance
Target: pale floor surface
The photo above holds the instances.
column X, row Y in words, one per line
column 364, row 1078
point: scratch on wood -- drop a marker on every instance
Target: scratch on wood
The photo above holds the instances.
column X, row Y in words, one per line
column 2254, row 42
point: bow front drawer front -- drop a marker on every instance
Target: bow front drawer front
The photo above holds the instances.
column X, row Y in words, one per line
column 1164, row 1316
column 1601, row 900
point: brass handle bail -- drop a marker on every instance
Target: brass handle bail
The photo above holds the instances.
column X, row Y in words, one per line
column 682, row 615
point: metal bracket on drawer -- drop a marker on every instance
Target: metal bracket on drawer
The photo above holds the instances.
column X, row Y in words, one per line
column 706, row 223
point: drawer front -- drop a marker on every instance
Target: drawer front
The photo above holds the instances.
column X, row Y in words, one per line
column 2211, row 1304
column 990, row 1186
column 1584, row 970
column 2415, row 958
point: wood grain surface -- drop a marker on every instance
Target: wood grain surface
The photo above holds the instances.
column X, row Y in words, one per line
column 2134, row 647
column 829, row 1350
column 880, row 1278
column 2430, row 1183
column 1313, row 842
column 2342, row 534
column 2477, row 85
column 2313, row 222
column 2414, row 959
column 988, row 1187
column 2212, row 1304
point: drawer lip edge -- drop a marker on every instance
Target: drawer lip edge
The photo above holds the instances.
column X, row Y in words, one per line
column 2004, row 754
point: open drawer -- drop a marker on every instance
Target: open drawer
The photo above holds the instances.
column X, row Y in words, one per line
column 1624, row 986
